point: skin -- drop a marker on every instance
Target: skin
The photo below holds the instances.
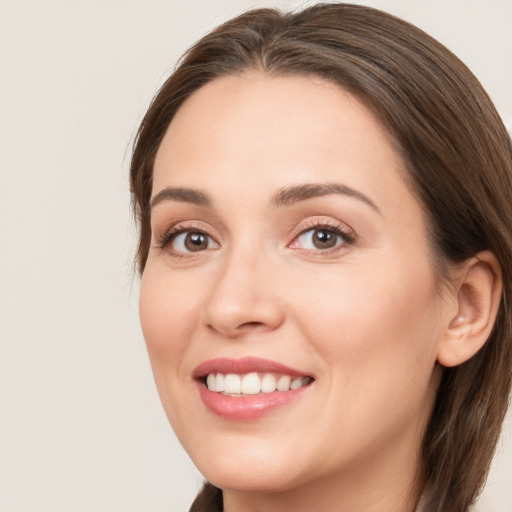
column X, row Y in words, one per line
column 365, row 319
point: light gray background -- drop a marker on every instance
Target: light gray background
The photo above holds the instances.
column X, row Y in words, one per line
column 81, row 427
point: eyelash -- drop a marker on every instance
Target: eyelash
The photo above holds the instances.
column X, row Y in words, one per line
column 170, row 235
column 347, row 237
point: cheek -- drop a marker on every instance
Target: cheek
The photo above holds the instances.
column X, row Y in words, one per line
column 376, row 340
column 373, row 325
column 168, row 318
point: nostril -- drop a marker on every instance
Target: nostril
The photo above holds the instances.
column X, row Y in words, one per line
column 249, row 325
column 238, row 329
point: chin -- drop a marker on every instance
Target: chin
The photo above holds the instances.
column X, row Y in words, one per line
column 256, row 469
column 250, row 479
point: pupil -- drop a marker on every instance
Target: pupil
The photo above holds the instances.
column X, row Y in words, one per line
column 324, row 239
column 195, row 242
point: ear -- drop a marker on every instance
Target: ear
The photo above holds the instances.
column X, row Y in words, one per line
column 477, row 295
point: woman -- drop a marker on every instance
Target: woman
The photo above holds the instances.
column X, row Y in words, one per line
column 325, row 250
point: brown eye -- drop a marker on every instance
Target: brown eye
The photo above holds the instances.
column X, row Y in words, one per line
column 192, row 241
column 196, row 242
column 323, row 239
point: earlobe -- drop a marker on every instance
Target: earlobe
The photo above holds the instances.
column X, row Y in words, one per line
column 478, row 295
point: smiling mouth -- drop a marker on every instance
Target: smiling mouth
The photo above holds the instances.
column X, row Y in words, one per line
column 253, row 383
column 248, row 389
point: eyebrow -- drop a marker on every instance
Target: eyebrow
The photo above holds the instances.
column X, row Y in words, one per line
column 284, row 197
column 185, row 195
column 297, row 193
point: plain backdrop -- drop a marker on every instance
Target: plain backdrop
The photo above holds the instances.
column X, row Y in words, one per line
column 81, row 427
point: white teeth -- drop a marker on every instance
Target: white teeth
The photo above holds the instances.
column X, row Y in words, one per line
column 268, row 383
column 210, row 381
column 253, row 383
column 296, row 383
column 232, row 384
column 283, row 384
column 219, row 383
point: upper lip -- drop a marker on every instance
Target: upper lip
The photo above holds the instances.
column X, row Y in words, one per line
column 243, row 366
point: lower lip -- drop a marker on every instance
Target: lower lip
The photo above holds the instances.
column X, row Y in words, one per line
column 248, row 407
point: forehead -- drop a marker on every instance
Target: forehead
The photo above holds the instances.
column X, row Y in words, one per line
column 280, row 114
column 241, row 131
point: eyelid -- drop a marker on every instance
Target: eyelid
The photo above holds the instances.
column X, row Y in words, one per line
column 329, row 224
column 322, row 221
column 171, row 232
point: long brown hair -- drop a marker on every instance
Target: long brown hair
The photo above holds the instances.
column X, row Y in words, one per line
column 458, row 158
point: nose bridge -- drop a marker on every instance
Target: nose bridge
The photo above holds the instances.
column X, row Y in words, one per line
column 242, row 298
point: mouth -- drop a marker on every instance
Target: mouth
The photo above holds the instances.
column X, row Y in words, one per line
column 249, row 388
column 235, row 385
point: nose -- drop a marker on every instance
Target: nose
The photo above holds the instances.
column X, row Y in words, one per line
column 243, row 299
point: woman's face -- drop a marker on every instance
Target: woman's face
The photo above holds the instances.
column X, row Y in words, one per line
column 287, row 252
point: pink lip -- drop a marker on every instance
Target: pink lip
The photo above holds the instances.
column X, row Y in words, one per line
column 245, row 407
column 245, row 365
